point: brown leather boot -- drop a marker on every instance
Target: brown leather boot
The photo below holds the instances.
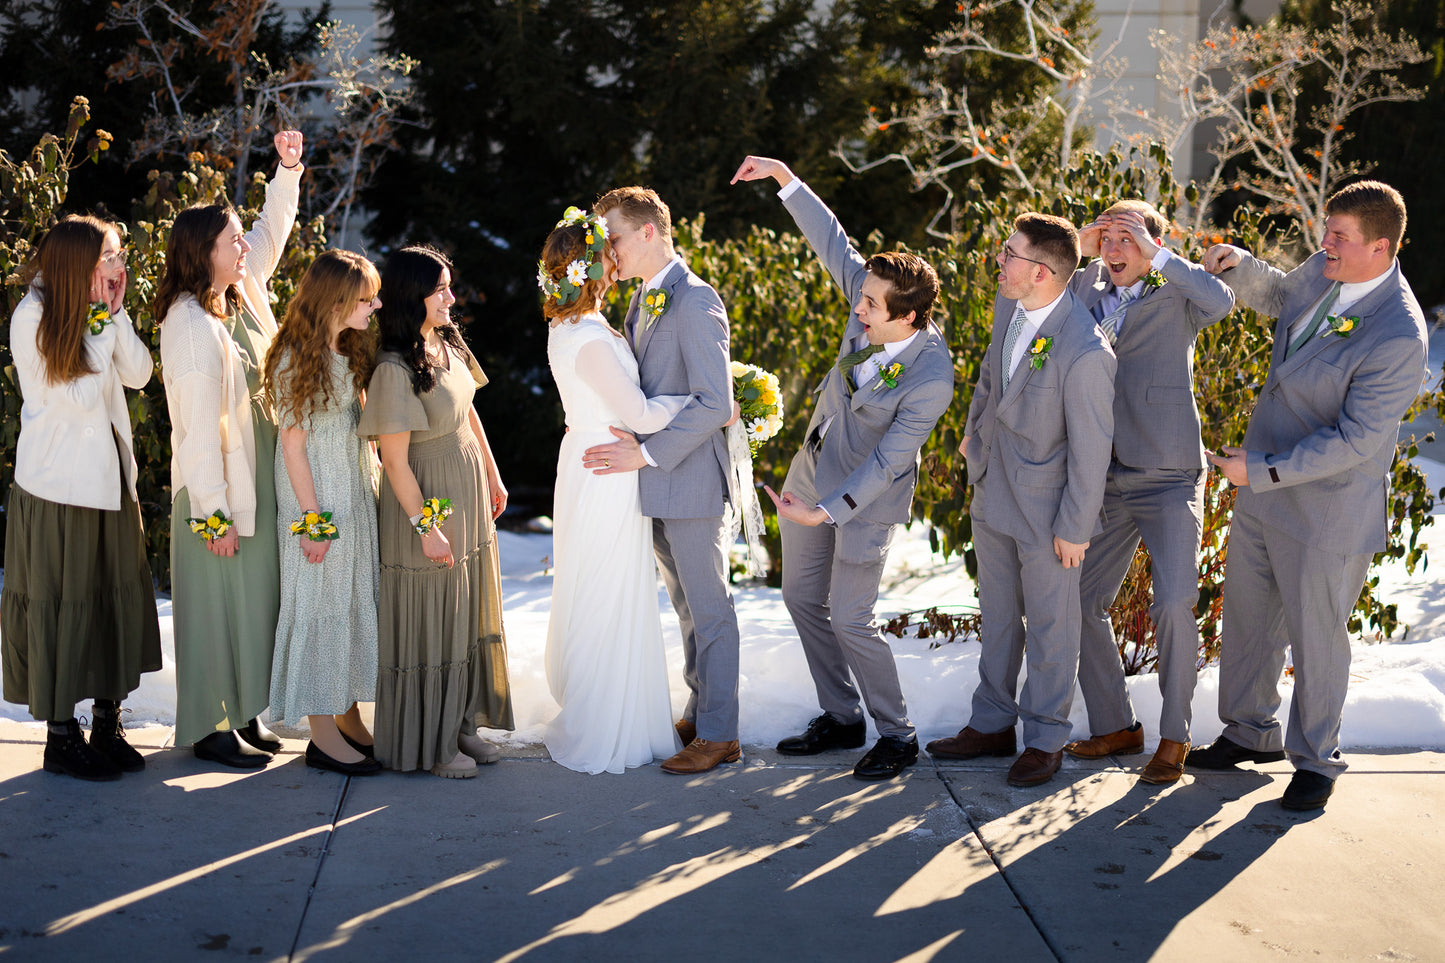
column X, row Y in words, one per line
column 1123, row 742
column 1167, row 765
column 701, row 756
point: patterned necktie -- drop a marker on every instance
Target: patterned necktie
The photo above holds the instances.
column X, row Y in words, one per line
column 1011, row 338
column 1316, row 321
column 849, row 362
column 1115, row 318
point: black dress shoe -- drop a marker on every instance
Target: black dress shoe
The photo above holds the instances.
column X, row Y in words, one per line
column 888, row 757
column 256, row 734
column 229, row 749
column 317, row 759
column 367, row 751
column 1225, row 753
column 1307, row 790
column 822, row 734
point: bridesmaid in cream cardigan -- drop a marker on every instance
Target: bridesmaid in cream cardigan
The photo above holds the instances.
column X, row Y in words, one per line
column 216, row 328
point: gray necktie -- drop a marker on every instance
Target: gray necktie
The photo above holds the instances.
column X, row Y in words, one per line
column 1316, row 321
column 1115, row 318
column 1011, row 338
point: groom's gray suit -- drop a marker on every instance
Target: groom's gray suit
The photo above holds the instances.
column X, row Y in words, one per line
column 685, row 352
column 862, row 472
column 1321, row 442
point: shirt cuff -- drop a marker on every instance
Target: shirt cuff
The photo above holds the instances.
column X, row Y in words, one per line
column 830, row 517
column 645, row 456
column 1160, row 259
column 790, row 188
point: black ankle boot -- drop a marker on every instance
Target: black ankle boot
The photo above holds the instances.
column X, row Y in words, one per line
column 67, row 753
column 256, row 734
column 107, row 737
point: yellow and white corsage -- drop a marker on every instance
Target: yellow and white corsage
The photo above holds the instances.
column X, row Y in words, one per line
column 97, row 317
column 212, row 527
column 434, row 511
column 316, row 526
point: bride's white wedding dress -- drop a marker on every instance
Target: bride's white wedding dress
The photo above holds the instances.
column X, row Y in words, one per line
column 605, row 662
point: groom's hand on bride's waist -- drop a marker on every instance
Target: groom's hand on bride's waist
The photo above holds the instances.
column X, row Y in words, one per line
column 624, row 454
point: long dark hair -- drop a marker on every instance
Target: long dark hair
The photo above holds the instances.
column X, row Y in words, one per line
column 188, row 261
column 409, row 277
column 66, row 261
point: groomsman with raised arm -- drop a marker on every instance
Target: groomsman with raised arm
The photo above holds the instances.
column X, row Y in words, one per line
column 1037, row 443
column 1314, row 480
column 852, row 483
column 1151, row 305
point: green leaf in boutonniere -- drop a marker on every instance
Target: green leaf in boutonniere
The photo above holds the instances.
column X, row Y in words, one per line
column 98, row 317
column 1039, row 352
column 889, row 376
column 1344, row 326
column 1154, row 279
column 654, row 302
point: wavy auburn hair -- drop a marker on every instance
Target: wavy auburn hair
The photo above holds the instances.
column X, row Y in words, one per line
column 408, row 278
column 63, row 267
column 328, row 292
column 564, row 245
column 188, row 261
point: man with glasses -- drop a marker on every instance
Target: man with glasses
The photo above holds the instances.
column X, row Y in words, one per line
column 1037, row 443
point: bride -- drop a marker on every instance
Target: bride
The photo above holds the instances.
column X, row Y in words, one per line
column 605, row 661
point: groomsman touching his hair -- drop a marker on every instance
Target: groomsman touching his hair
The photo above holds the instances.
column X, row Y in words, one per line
column 1314, row 479
column 1151, row 305
column 852, row 483
column 1037, row 443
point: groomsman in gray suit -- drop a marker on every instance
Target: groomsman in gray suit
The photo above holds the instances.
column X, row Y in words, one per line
column 1037, row 443
column 1314, row 477
column 1151, row 305
column 681, row 343
column 852, row 483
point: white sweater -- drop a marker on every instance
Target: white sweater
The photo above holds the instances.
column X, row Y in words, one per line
column 213, row 445
column 65, row 453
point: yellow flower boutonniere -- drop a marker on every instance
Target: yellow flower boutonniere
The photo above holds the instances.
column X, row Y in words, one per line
column 1154, row 279
column 212, row 527
column 888, row 377
column 98, row 317
column 654, row 302
column 434, row 511
column 1344, row 326
column 1039, row 352
column 316, row 526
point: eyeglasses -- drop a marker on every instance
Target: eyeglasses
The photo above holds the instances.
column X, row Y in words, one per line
column 369, row 301
column 1010, row 255
column 111, row 260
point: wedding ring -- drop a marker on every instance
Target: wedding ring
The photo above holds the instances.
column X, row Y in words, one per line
column 606, row 463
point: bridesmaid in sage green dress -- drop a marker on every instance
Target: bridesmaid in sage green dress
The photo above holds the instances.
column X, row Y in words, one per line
column 216, row 329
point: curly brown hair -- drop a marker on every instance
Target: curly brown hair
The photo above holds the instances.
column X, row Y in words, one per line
column 328, row 292
column 564, row 245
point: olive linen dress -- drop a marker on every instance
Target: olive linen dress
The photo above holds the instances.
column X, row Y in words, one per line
column 442, row 658
column 225, row 608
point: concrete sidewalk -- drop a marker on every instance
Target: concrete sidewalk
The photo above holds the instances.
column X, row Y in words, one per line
column 767, row 860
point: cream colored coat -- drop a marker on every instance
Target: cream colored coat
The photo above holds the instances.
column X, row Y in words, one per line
column 213, row 444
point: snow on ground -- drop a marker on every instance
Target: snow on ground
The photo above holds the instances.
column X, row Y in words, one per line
column 1396, row 696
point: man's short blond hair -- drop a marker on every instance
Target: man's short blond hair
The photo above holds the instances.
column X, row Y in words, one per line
column 1154, row 222
column 638, row 206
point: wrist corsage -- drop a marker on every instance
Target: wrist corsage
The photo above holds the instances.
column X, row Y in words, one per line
column 212, row 527
column 888, row 377
column 434, row 511
column 98, row 317
column 316, row 526
column 1343, row 325
column 1039, row 352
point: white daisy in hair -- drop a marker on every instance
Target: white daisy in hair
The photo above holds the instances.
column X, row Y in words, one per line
column 577, row 273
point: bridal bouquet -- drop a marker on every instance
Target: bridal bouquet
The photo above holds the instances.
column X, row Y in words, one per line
column 761, row 400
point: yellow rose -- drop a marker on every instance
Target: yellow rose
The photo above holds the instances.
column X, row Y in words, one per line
column 426, row 511
column 1347, row 325
column 213, row 522
column 1039, row 345
column 312, row 518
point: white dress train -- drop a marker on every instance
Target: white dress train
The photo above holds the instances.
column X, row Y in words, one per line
column 605, row 662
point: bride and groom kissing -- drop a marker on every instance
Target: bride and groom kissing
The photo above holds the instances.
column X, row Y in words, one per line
column 660, row 489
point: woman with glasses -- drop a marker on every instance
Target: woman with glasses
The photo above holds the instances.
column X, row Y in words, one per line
column 316, row 373
column 78, row 609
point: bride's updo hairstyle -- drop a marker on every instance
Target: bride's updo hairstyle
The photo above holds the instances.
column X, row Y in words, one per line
column 571, row 271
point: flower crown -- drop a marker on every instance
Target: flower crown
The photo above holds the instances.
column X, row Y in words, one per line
column 568, row 287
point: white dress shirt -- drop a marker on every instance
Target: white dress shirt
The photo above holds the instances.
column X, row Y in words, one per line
column 1033, row 320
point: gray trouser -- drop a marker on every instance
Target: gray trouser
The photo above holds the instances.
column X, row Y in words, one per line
column 1165, row 507
column 1279, row 591
column 692, row 554
column 1022, row 581
column 830, row 585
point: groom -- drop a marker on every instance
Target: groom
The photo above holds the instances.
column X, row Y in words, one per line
column 852, row 483
column 678, row 329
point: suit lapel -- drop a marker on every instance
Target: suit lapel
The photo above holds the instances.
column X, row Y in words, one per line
column 1050, row 328
column 629, row 321
column 645, row 331
column 906, row 357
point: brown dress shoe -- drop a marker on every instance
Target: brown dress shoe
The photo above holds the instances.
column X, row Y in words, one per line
column 1124, row 742
column 700, row 756
column 686, row 731
column 1168, row 763
column 970, row 744
column 1034, row 767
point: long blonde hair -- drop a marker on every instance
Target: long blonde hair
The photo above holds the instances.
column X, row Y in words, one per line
column 329, row 290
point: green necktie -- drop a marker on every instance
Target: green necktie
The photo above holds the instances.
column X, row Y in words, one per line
column 1313, row 327
column 849, row 362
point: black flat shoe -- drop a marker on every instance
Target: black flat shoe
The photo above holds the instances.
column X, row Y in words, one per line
column 367, row 751
column 1308, row 790
column 229, row 749
column 258, row 736
column 317, row 759
column 822, row 734
column 888, row 757
column 1225, row 753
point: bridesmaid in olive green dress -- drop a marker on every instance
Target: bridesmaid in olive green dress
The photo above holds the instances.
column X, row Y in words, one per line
column 216, row 328
column 441, row 653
